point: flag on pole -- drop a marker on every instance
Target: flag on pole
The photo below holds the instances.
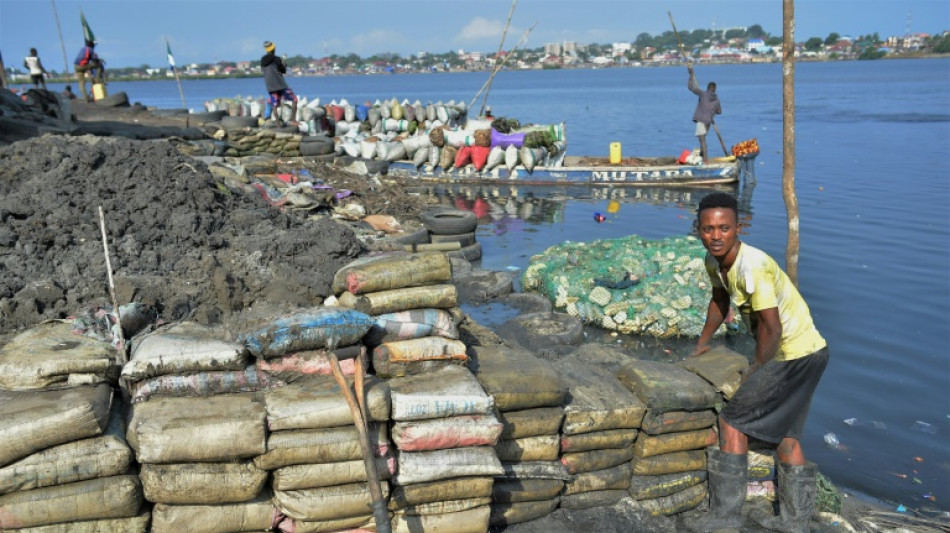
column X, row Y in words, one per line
column 171, row 58
column 86, row 30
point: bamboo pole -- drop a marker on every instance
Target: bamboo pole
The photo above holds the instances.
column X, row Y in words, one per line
column 498, row 67
column 120, row 345
column 504, row 35
column 788, row 139
column 62, row 43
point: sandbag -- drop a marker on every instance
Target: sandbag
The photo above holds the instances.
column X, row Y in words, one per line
column 399, row 358
column 390, row 151
column 319, row 403
column 720, row 366
column 463, row 156
column 411, row 324
column 414, row 144
column 437, row 136
column 506, row 514
column 132, row 524
column 353, row 524
column 449, row 489
column 435, row 155
column 531, row 422
column 480, row 156
column 650, row 445
column 183, row 348
column 667, row 387
column 443, row 506
column 459, row 139
column 504, row 140
column 50, row 355
column 251, row 379
column 539, row 448
column 587, row 500
column 613, row 478
column 535, row 470
column 312, row 329
column 531, row 157
column 92, row 499
column 650, row 487
column 315, row 446
column 674, row 503
column 259, row 514
column 202, row 483
column 290, row 367
column 516, row 379
column 107, row 455
column 450, row 391
column 35, row 420
column 597, row 400
column 598, row 440
column 447, row 157
column 673, row 421
column 495, row 157
column 327, row 503
column 580, row 462
column 669, row 463
column 419, row 467
column 378, row 303
column 420, row 157
column 525, row 490
column 470, row 521
column 310, row 476
column 450, row 432
column 511, row 157
column 193, row 430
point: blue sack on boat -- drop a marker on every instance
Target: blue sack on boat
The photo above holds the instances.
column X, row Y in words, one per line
column 505, row 140
column 362, row 112
column 309, row 330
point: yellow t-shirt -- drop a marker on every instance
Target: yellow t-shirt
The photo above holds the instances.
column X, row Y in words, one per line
column 755, row 282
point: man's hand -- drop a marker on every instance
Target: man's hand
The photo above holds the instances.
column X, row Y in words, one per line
column 700, row 350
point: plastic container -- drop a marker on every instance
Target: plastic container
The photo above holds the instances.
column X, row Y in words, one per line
column 615, row 153
column 98, row 91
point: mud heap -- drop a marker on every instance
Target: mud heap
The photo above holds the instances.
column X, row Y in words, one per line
column 180, row 240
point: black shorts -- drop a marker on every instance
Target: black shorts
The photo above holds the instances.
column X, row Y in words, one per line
column 773, row 403
column 37, row 79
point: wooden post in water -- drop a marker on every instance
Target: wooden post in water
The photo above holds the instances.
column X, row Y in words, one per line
column 788, row 138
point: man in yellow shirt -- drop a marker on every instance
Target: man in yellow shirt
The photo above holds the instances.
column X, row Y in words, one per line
column 773, row 401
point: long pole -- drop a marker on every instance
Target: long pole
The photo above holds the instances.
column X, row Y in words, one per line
column 177, row 80
column 62, row 43
column 499, row 66
column 117, row 331
column 504, row 35
column 788, row 138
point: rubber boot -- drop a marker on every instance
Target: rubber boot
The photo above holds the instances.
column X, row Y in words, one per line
column 797, row 486
column 727, row 491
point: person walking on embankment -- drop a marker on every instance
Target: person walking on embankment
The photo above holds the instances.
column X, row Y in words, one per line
column 706, row 110
column 773, row 401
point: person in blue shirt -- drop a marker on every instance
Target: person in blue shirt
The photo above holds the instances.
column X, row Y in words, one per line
column 88, row 62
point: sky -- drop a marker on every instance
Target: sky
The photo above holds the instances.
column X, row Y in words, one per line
column 133, row 32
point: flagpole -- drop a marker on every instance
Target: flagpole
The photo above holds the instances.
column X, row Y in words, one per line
column 61, row 42
column 175, row 70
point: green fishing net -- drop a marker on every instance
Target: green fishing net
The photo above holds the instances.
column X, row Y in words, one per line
column 631, row 284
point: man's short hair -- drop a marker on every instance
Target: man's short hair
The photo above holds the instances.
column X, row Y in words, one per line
column 718, row 200
column 711, row 86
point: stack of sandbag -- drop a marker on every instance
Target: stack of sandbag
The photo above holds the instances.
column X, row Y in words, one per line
column 669, row 465
column 444, row 431
column 408, row 296
column 319, row 478
column 601, row 418
column 528, row 395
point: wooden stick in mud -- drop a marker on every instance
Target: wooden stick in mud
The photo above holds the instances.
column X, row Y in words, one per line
column 115, row 304
column 433, row 247
column 380, row 512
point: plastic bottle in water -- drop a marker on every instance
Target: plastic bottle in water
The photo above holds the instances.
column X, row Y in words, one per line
column 832, row 440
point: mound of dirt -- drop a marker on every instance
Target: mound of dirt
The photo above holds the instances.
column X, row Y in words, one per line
column 179, row 239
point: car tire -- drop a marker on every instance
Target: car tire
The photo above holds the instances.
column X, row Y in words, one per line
column 449, row 221
column 469, row 253
column 464, row 239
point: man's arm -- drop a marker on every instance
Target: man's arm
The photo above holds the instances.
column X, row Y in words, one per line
column 715, row 315
column 768, row 336
column 691, row 84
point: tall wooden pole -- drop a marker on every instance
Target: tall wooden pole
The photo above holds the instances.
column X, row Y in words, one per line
column 62, row 43
column 788, row 138
column 501, row 45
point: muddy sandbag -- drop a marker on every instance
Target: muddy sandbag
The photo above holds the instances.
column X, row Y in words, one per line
column 437, row 136
column 51, row 355
column 411, row 324
column 314, row 446
column 597, row 400
column 132, row 524
column 103, row 456
column 290, row 367
column 531, row 422
column 259, row 514
column 193, row 430
column 581, row 462
column 720, row 366
column 525, row 490
column 449, row 391
column 597, row 498
column 419, row 467
column 443, row 506
column 251, row 379
column 202, row 483
column 535, row 470
column 393, row 272
column 449, row 432
column 650, row 487
column 378, row 303
column 449, row 489
column 613, row 478
column 316, row 328
column 675, row 503
column 310, row 476
column 470, row 521
column 447, row 157
column 183, row 348
column 650, row 445
column 666, row 387
column 506, row 514
column 538, row 448
column 669, row 463
column 35, row 420
column 319, row 403
column 355, row 524
column 673, row 421
column 92, row 499
column 327, row 503
column 598, row 440
column 400, row 358
column 516, row 379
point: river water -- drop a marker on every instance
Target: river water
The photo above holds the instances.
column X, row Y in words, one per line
column 873, row 184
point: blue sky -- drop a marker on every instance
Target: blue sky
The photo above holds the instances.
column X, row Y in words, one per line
column 132, row 32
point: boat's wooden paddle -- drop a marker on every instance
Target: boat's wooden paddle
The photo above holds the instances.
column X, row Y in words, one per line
column 683, row 53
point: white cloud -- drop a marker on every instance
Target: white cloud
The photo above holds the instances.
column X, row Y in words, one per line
column 376, row 41
column 481, row 28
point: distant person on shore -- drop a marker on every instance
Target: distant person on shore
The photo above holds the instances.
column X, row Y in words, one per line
column 35, row 66
column 274, row 70
column 68, row 93
column 706, row 110
column 87, row 62
column 773, row 400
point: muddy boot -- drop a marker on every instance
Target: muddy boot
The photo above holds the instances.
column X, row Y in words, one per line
column 727, row 491
column 797, row 486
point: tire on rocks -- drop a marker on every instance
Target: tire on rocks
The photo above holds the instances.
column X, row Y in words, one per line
column 483, row 285
column 537, row 331
column 119, row 99
column 318, row 146
column 210, row 116
column 464, row 239
column 449, row 221
column 418, row 236
column 238, row 122
column 469, row 253
column 173, row 112
column 527, row 302
column 460, row 267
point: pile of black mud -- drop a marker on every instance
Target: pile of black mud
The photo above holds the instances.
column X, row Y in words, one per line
column 180, row 241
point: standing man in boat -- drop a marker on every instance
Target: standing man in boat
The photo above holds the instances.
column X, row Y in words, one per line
column 773, row 401
column 86, row 61
column 706, row 110
column 37, row 71
column 274, row 70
